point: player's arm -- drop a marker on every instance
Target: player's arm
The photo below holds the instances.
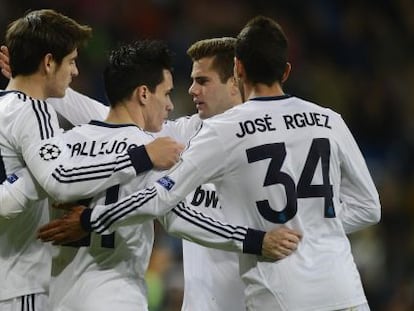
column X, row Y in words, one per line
column 181, row 129
column 358, row 194
column 4, row 62
column 17, row 192
column 168, row 191
column 78, row 108
column 66, row 179
column 35, row 131
column 151, row 202
column 194, row 226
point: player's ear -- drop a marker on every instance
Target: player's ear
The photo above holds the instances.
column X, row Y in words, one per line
column 288, row 68
column 234, row 87
column 47, row 64
column 141, row 93
column 239, row 72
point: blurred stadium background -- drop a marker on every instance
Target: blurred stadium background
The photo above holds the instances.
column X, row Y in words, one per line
column 353, row 56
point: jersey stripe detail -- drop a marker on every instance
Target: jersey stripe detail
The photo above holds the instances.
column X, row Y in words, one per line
column 201, row 220
column 122, row 208
column 43, row 117
column 21, row 96
column 3, row 174
column 90, row 172
column 137, row 200
column 27, row 302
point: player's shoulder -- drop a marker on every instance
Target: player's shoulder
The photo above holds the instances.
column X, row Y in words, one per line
column 14, row 96
column 184, row 120
column 97, row 128
column 19, row 105
column 314, row 106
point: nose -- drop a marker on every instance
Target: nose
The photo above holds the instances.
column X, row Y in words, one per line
column 170, row 106
column 193, row 90
column 75, row 71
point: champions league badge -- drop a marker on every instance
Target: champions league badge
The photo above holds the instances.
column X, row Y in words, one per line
column 49, row 152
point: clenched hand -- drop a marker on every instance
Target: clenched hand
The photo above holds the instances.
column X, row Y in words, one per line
column 164, row 152
column 280, row 243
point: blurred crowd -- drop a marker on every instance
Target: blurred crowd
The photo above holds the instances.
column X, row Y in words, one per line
column 352, row 56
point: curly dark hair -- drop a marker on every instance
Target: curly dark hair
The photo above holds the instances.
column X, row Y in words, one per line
column 139, row 63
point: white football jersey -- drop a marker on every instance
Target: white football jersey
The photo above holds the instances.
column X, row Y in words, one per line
column 107, row 272
column 24, row 261
column 277, row 161
column 26, row 125
column 210, row 287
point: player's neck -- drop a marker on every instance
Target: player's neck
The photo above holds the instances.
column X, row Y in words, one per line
column 262, row 90
column 121, row 114
column 31, row 85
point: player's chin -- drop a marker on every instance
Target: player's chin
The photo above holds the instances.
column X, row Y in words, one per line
column 203, row 114
column 58, row 93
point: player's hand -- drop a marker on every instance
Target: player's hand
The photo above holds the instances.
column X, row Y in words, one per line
column 164, row 152
column 280, row 243
column 4, row 62
column 64, row 230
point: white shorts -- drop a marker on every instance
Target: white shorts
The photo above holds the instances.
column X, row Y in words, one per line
column 31, row 302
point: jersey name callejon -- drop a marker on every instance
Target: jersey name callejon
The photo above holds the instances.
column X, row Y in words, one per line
column 94, row 148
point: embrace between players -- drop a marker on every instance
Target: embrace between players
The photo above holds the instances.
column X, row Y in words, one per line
column 292, row 194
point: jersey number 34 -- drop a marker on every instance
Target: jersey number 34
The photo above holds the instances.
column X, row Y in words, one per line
column 276, row 152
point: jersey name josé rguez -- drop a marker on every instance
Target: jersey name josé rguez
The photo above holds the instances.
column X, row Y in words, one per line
column 281, row 161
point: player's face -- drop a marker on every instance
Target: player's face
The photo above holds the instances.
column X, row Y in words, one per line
column 61, row 75
column 160, row 104
column 210, row 95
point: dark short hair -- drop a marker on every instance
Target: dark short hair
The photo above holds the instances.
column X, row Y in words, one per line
column 262, row 48
column 222, row 49
column 131, row 65
column 39, row 33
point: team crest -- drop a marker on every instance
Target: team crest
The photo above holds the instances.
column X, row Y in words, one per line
column 49, row 152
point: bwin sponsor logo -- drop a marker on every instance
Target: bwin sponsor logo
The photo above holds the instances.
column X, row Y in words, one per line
column 209, row 197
